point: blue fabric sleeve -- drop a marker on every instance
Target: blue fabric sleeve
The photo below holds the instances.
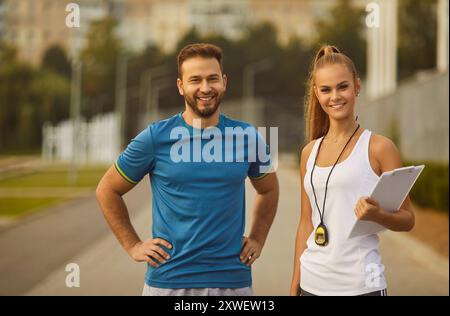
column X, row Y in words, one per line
column 261, row 167
column 138, row 158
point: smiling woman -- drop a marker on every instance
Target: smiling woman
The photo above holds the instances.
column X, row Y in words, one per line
column 337, row 91
column 330, row 88
column 339, row 167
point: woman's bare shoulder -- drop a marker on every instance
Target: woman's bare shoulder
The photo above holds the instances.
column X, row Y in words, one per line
column 381, row 144
column 385, row 152
column 306, row 151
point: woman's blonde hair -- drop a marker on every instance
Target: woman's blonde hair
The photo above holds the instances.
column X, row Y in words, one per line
column 317, row 121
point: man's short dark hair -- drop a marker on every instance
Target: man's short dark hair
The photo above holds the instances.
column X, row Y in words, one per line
column 204, row 50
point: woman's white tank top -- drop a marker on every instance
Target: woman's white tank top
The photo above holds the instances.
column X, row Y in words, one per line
column 344, row 266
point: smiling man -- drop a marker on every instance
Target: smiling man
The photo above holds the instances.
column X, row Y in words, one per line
column 198, row 245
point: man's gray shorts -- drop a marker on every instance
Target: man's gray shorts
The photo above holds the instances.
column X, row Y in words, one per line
column 155, row 291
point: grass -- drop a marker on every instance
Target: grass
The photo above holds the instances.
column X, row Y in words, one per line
column 8, row 153
column 13, row 207
column 87, row 178
column 55, row 177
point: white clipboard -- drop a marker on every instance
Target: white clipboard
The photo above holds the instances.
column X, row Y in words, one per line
column 390, row 191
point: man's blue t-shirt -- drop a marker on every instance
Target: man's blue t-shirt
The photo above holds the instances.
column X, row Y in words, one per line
column 198, row 205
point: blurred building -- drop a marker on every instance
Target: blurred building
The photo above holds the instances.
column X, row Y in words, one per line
column 224, row 17
column 34, row 25
column 291, row 18
column 90, row 10
column 164, row 23
column 157, row 22
column 294, row 18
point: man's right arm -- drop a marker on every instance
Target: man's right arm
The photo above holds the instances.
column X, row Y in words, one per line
column 109, row 195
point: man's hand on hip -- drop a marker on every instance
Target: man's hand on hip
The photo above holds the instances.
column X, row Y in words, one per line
column 150, row 251
column 251, row 250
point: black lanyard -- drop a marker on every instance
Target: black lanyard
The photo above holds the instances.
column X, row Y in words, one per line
column 321, row 214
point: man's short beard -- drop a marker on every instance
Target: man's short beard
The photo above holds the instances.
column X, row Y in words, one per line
column 206, row 113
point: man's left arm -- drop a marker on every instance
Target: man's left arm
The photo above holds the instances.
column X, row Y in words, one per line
column 264, row 210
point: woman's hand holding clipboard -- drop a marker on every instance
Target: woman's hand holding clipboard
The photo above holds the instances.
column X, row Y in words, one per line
column 390, row 191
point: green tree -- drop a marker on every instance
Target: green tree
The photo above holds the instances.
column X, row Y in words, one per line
column 261, row 43
column 138, row 64
column 345, row 29
column 55, row 59
column 50, row 100
column 192, row 36
column 417, row 36
column 294, row 68
column 52, row 92
column 99, row 59
column 15, row 80
column 152, row 56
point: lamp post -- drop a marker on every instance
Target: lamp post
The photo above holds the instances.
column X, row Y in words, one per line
column 250, row 112
column 156, row 87
column 121, row 97
column 145, row 83
column 75, row 108
column 75, row 103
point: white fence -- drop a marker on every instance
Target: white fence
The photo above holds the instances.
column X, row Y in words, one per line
column 95, row 142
